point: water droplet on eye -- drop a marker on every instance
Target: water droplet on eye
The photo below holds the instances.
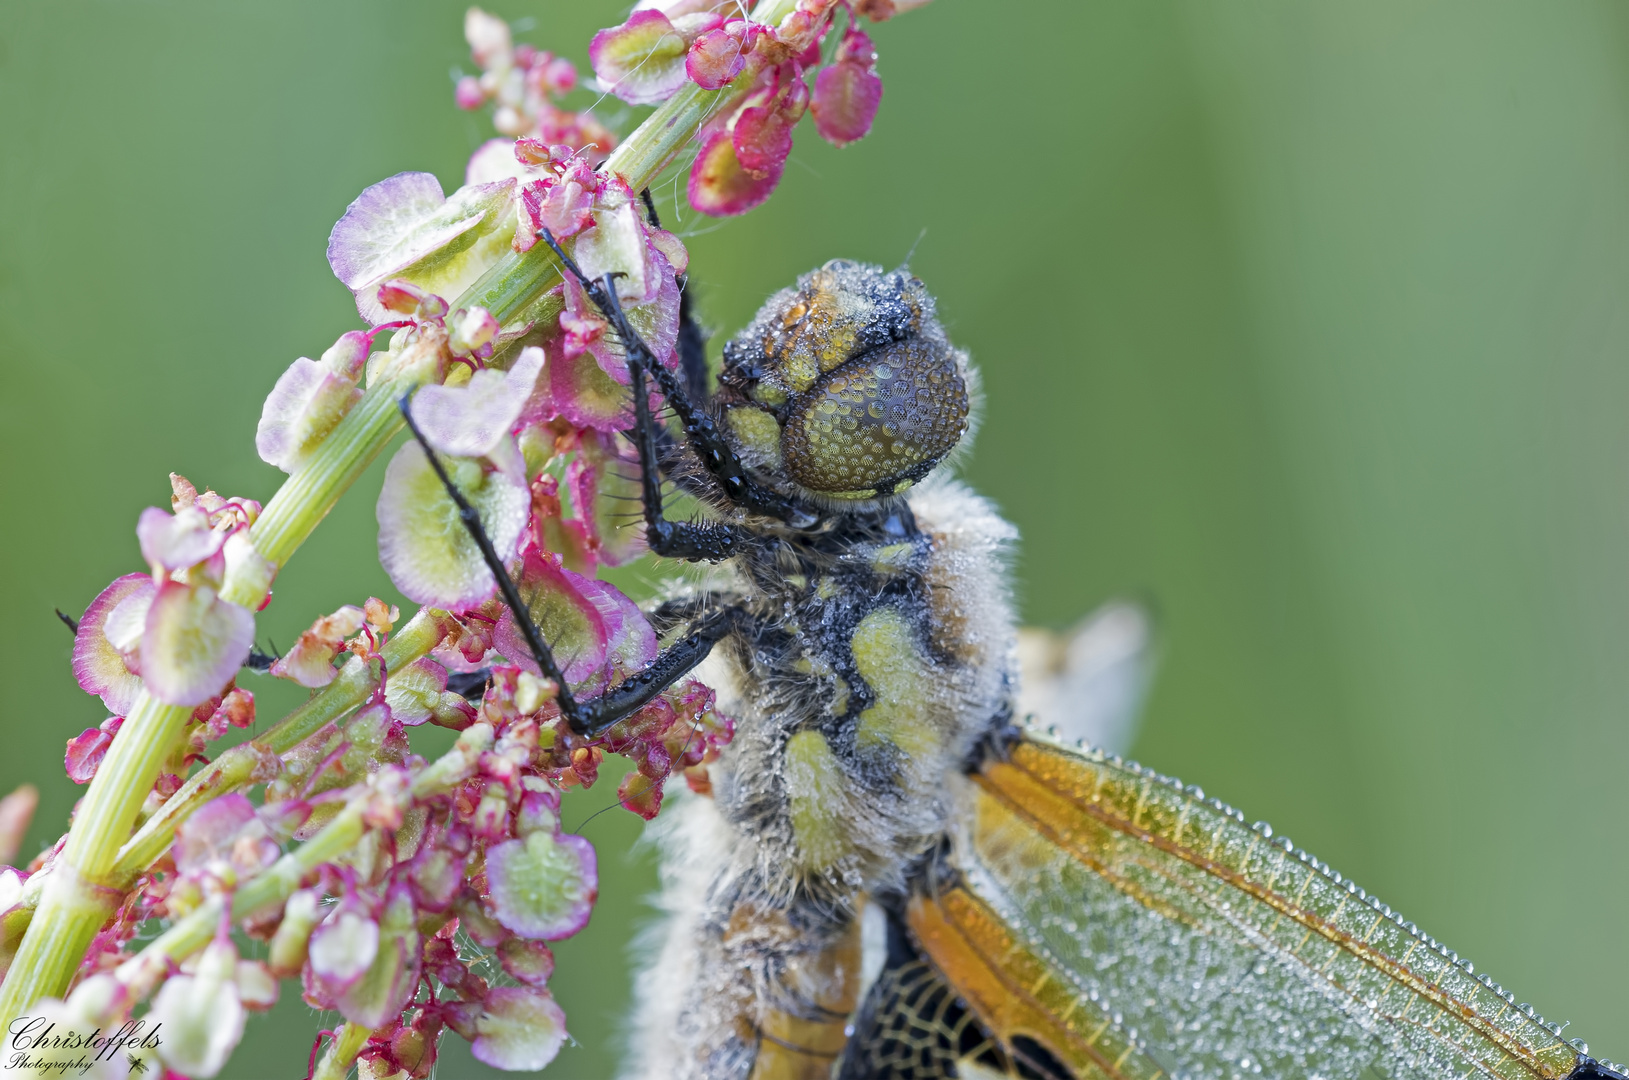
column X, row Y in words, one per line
column 884, row 371
column 875, row 410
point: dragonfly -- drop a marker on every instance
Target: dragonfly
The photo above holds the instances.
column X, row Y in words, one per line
column 901, row 875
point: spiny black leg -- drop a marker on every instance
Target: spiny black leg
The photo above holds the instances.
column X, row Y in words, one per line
column 69, row 621
column 671, row 665
column 673, row 539
column 650, row 208
column 692, row 345
column 705, row 438
column 592, row 717
column 511, row 595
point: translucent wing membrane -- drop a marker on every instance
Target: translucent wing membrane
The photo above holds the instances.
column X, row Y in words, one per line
column 1089, row 684
column 1134, row 926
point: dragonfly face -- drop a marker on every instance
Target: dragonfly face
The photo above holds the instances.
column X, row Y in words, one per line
column 893, row 878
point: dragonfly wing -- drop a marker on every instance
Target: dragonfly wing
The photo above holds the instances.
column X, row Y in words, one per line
column 988, row 1023
column 1089, row 684
column 1093, row 892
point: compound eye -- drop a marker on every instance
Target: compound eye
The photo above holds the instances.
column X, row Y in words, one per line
column 880, row 420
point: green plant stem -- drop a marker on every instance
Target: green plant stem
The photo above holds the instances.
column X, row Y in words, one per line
column 236, row 768
column 519, row 279
column 77, row 900
column 341, row 1054
column 306, row 497
column 92, row 891
column 75, row 903
column 278, row 882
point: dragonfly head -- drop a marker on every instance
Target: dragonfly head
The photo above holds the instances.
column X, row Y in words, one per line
column 846, row 385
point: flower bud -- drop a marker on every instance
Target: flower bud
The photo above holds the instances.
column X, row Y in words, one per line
column 201, row 1014
column 87, row 749
column 491, row 818
column 474, row 330
column 310, row 662
column 475, row 919
column 520, row 1028
column 248, row 573
column 257, row 987
column 468, row 94
column 344, row 946
column 530, row 962
column 384, row 989
column 538, row 810
column 347, row 356
column 287, row 953
column 436, row 876
column 532, row 693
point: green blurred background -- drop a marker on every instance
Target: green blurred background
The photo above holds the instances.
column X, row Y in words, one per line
column 1306, row 319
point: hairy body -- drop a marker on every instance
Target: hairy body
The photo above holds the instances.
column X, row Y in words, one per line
column 880, row 657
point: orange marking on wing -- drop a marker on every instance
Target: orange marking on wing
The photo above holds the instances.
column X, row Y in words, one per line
column 1077, row 804
column 1013, row 991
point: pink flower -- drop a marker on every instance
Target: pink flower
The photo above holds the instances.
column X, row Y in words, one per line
column 526, row 85
column 310, row 662
column 719, row 55
column 762, row 134
column 642, row 61
column 418, row 692
column 310, row 398
column 603, row 477
column 720, row 185
column 87, row 749
column 562, row 604
column 563, row 202
column 422, row 543
column 478, row 418
column 226, row 834
column 543, row 885
column 519, row 1029
column 176, row 541
column 193, row 643
column 107, row 648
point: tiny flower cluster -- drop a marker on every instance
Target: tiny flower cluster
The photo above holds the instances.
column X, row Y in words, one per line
column 170, row 629
column 438, row 913
column 664, row 46
column 525, row 85
column 415, row 897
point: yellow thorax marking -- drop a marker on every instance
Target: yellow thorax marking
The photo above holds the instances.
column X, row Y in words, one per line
column 886, row 655
column 814, row 788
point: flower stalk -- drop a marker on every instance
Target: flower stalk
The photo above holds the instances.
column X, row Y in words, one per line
column 79, row 895
column 235, row 769
column 341, row 1054
column 80, row 900
column 90, row 877
column 277, row 883
column 399, row 847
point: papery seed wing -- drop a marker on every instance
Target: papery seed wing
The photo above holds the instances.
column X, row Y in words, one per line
column 1112, row 903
